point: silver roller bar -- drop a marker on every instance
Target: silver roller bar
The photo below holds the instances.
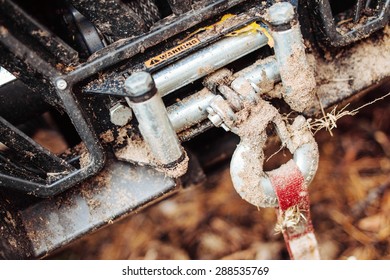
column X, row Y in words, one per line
column 206, row 61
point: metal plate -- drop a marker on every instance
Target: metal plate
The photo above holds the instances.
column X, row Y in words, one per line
column 119, row 189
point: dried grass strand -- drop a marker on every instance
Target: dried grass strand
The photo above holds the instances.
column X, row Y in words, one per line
column 289, row 219
column 329, row 120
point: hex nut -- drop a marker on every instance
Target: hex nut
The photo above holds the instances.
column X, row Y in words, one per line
column 139, row 83
column 281, row 13
column 214, row 117
column 120, row 114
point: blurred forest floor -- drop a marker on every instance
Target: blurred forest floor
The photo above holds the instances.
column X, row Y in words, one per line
column 350, row 202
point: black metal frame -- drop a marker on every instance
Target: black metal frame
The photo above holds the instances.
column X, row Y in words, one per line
column 327, row 26
column 40, row 226
column 120, row 51
column 20, row 57
column 97, row 201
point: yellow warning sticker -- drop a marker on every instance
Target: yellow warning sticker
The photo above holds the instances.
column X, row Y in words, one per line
column 172, row 52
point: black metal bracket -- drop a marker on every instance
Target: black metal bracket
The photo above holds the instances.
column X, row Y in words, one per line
column 19, row 56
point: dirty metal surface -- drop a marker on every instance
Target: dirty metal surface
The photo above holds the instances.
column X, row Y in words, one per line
column 119, row 189
column 180, row 6
column 336, row 34
column 352, row 70
column 112, row 84
column 166, row 28
column 13, row 241
column 114, row 18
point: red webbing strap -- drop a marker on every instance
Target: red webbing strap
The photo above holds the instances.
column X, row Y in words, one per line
column 289, row 186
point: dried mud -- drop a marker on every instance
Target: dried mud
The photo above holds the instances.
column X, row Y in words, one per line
column 298, row 77
column 352, row 70
column 350, row 206
column 138, row 152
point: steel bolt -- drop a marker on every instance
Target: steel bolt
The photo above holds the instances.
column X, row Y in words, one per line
column 61, row 84
column 139, row 83
column 225, row 127
column 214, row 117
column 281, row 13
column 120, row 115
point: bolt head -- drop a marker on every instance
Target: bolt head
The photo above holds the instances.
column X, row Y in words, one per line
column 281, row 13
column 216, row 120
column 139, row 83
column 225, row 127
column 61, row 84
column 214, row 117
column 120, row 115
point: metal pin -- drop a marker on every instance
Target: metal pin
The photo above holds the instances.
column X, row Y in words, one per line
column 296, row 75
column 152, row 117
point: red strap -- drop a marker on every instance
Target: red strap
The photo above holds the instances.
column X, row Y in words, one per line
column 293, row 197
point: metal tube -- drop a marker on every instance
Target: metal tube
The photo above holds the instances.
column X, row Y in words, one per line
column 206, row 61
column 190, row 111
column 155, row 127
column 266, row 70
